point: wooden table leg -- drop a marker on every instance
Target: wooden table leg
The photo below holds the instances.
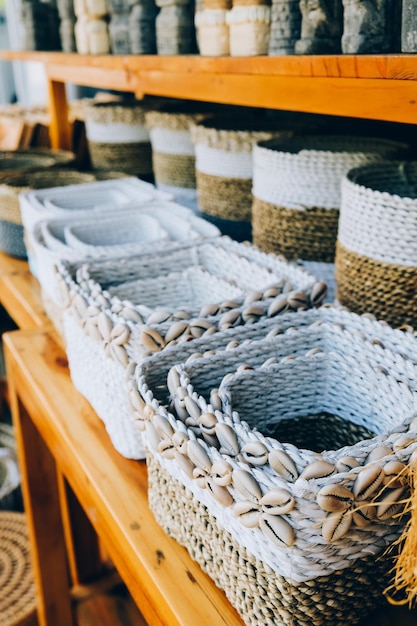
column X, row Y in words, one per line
column 83, row 549
column 42, row 506
column 59, row 127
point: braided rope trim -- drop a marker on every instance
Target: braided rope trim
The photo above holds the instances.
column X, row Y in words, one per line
column 111, row 113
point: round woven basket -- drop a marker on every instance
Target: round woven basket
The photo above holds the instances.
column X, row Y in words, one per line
column 376, row 259
column 116, row 133
column 17, row 591
column 11, row 228
column 297, row 191
column 223, row 148
column 212, row 32
column 13, row 161
column 173, row 154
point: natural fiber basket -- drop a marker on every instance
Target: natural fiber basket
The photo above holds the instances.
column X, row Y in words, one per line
column 12, row 231
column 173, row 155
column 116, row 133
column 297, row 192
column 212, row 32
column 223, row 149
column 14, row 161
column 292, row 491
column 17, row 589
column 152, row 308
column 376, row 263
column 249, row 27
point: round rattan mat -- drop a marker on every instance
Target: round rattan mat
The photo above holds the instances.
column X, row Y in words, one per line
column 17, row 591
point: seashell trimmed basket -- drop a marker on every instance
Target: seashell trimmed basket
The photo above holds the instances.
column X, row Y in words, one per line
column 117, row 313
column 286, row 457
column 376, row 262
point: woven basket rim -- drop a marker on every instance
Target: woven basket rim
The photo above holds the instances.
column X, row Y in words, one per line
column 243, row 123
column 385, row 172
column 55, row 177
column 337, row 144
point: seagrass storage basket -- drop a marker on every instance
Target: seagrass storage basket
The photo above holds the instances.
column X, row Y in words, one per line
column 223, row 151
column 280, row 461
column 173, row 156
column 117, row 313
column 376, row 263
column 297, row 193
column 11, row 227
column 116, row 133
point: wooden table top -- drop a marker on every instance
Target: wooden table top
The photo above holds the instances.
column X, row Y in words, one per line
column 168, row 587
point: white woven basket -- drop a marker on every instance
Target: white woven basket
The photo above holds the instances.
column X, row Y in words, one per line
column 233, row 428
column 249, row 30
column 139, row 316
column 212, row 32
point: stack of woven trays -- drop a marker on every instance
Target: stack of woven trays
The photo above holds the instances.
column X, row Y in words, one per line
column 116, row 133
column 223, row 151
column 12, row 185
column 82, row 200
column 376, row 259
column 153, row 225
column 297, row 194
column 115, row 313
column 277, row 455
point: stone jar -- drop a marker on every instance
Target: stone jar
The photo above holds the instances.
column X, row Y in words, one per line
column 321, row 27
column 369, row 26
column 285, row 26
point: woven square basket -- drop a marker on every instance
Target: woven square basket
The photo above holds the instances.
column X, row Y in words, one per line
column 280, row 462
column 376, row 258
column 118, row 312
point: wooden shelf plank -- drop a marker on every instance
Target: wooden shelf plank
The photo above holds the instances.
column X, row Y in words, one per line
column 168, row 587
column 380, row 87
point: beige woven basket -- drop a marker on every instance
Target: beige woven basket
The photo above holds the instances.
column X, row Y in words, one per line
column 14, row 161
column 17, row 589
column 376, row 262
column 223, row 147
column 116, row 133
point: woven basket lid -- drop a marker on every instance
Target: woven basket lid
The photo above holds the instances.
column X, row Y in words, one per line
column 17, row 591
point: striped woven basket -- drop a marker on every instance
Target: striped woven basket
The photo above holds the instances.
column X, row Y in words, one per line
column 11, row 227
column 148, row 303
column 376, row 262
column 297, row 193
column 116, row 133
column 297, row 494
column 223, row 148
column 17, row 587
column 173, row 154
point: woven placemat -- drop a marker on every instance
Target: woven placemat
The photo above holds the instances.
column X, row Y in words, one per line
column 17, row 591
column 309, row 234
column 228, row 198
column 365, row 285
column 258, row 594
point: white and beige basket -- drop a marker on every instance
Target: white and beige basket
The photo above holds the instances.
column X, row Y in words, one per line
column 376, row 259
column 299, row 493
column 212, row 32
column 117, row 313
column 116, row 133
column 173, row 156
column 297, row 193
column 223, row 150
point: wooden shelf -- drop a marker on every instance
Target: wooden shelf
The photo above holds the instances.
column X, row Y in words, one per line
column 380, row 87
